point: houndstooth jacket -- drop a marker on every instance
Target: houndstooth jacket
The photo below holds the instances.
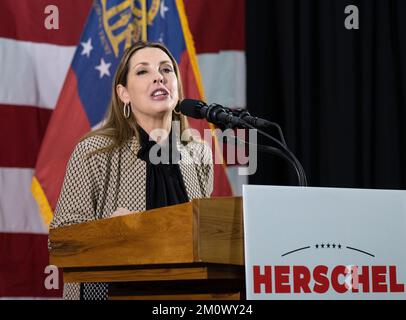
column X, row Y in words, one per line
column 96, row 185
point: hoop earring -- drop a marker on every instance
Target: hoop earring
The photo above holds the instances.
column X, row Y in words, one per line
column 126, row 110
column 178, row 113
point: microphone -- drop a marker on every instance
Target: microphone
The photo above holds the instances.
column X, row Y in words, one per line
column 219, row 115
column 237, row 118
column 254, row 121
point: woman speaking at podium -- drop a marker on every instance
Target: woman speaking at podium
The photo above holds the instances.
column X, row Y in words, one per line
column 114, row 170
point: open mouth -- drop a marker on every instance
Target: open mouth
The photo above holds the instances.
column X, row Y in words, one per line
column 159, row 93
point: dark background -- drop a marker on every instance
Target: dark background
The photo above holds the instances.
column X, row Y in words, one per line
column 338, row 94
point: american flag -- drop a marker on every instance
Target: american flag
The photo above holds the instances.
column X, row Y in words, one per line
column 69, row 69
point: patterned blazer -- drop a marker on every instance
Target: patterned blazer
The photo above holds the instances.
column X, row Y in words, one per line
column 96, row 185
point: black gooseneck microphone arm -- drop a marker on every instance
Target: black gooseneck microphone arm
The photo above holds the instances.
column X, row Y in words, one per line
column 283, row 152
column 277, row 152
column 228, row 118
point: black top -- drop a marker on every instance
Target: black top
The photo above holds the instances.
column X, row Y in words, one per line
column 164, row 185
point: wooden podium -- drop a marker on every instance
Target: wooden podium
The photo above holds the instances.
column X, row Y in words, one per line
column 193, row 250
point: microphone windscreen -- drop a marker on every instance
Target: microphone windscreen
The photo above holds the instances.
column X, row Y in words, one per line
column 191, row 108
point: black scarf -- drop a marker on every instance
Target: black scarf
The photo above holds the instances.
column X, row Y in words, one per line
column 164, row 185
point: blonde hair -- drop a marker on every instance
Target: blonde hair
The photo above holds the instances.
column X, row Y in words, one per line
column 116, row 126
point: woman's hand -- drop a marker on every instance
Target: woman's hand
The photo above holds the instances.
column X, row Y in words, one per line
column 120, row 212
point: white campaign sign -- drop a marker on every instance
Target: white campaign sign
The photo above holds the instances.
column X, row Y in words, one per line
column 324, row 243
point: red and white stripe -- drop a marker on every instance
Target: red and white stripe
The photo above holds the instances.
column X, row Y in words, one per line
column 34, row 63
